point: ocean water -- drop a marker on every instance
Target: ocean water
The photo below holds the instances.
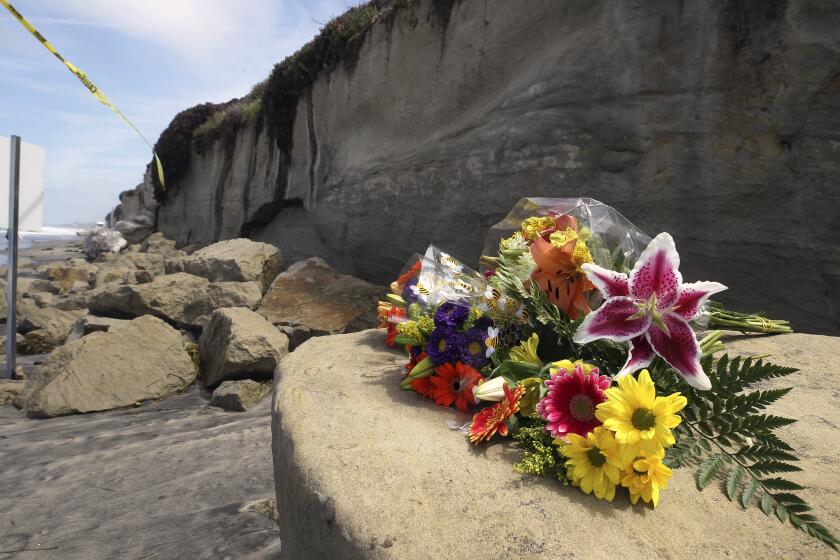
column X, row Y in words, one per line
column 29, row 238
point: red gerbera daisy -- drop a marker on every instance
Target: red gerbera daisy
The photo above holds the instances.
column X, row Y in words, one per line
column 395, row 315
column 494, row 418
column 569, row 405
column 454, row 384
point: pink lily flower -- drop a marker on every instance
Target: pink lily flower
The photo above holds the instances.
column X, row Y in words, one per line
column 651, row 311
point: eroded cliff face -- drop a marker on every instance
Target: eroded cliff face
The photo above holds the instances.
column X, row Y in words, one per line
column 716, row 121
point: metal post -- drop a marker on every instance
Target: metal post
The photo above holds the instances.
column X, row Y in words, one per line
column 11, row 265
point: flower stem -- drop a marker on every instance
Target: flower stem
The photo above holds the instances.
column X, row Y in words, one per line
column 721, row 317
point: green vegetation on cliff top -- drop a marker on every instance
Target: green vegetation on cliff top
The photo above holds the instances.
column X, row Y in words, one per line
column 273, row 102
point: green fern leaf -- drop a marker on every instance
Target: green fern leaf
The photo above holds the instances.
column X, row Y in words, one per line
column 733, row 482
column 709, row 469
column 749, row 492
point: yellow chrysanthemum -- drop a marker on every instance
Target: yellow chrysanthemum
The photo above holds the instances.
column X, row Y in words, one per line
column 644, row 477
column 569, row 365
column 595, row 462
column 526, row 351
column 533, row 226
column 638, row 417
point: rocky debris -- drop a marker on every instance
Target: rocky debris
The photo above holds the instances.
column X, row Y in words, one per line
column 353, row 455
column 137, row 207
column 141, row 360
column 175, row 262
column 240, row 395
column 11, row 388
column 181, row 299
column 93, row 323
column 129, row 268
column 103, row 241
column 45, row 328
column 135, row 231
column 18, row 342
column 66, row 274
column 312, row 299
column 237, row 343
column 267, row 508
column 36, row 285
column 235, row 260
column 157, row 243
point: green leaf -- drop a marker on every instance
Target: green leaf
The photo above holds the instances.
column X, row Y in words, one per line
column 766, row 504
column 733, row 481
column 708, row 469
column 749, row 492
column 780, row 484
column 782, row 513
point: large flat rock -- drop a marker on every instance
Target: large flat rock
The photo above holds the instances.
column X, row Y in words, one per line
column 365, row 470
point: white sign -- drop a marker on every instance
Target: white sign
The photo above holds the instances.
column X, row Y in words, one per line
column 31, row 201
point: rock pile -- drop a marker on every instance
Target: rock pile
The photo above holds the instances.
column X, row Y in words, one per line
column 123, row 327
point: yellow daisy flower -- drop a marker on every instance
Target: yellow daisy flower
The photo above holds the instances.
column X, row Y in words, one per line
column 594, row 462
column 641, row 420
column 644, row 477
column 569, row 365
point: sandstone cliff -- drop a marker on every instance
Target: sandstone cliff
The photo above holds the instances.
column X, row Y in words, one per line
column 718, row 121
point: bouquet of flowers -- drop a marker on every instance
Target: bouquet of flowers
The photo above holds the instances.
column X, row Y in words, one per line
column 578, row 339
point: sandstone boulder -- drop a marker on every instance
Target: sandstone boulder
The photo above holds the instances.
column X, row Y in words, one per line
column 66, row 273
column 10, row 389
column 139, row 361
column 134, row 231
column 312, row 299
column 181, row 299
column 237, row 343
column 45, row 328
column 93, row 323
column 240, row 395
column 236, row 260
column 364, row 470
column 158, row 244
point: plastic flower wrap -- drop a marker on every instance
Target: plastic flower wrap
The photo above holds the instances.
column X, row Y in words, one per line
column 452, row 323
column 549, row 240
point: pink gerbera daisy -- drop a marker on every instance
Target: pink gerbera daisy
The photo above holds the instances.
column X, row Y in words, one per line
column 569, row 405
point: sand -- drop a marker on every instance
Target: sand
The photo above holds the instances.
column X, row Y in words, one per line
column 172, row 479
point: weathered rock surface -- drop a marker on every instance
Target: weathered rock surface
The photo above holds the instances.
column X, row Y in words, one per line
column 237, row 343
column 67, row 273
column 398, row 482
column 92, row 323
column 182, row 299
column 312, row 299
column 104, row 241
column 236, row 260
column 135, row 232
column 45, row 328
column 714, row 121
column 142, row 360
column 240, row 395
column 158, row 243
column 9, row 390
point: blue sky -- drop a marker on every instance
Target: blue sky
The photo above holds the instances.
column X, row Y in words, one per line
column 152, row 58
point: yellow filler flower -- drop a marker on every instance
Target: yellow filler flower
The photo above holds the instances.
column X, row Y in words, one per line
column 594, row 462
column 644, row 477
column 641, row 420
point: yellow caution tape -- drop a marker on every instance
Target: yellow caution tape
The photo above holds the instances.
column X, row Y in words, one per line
column 91, row 87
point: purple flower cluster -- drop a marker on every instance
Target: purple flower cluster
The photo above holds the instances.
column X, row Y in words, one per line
column 449, row 344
